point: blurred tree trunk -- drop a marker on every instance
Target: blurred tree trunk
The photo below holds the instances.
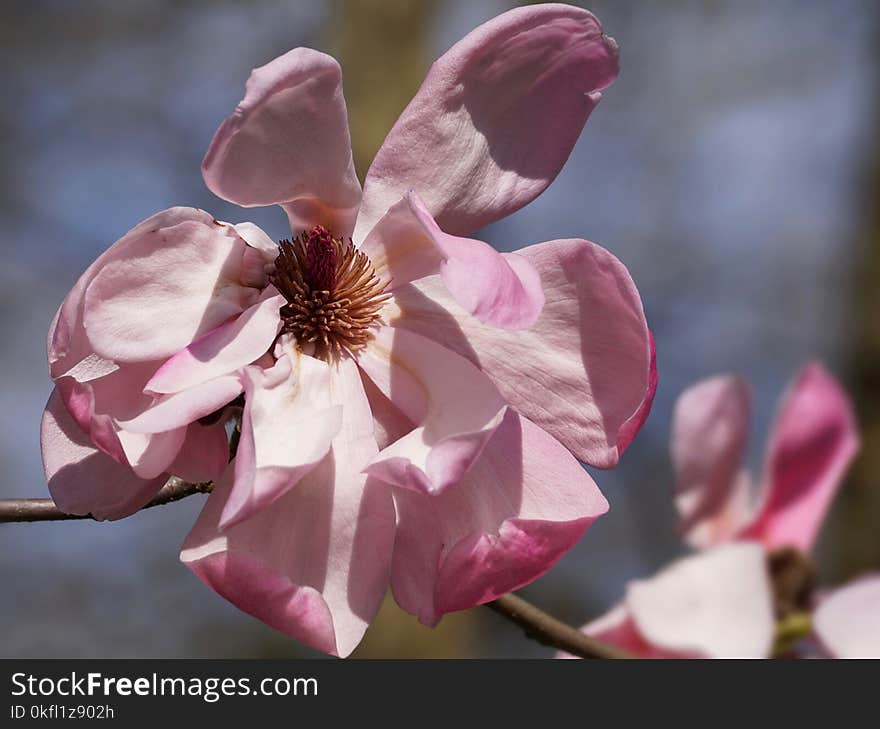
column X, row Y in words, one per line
column 854, row 532
column 382, row 47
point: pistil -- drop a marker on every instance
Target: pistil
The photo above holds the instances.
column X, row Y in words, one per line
column 334, row 297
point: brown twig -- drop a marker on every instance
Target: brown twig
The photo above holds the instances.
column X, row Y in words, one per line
column 537, row 624
column 546, row 629
column 29, row 510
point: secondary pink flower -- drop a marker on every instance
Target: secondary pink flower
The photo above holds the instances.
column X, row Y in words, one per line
column 414, row 403
column 725, row 601
column 809, row 450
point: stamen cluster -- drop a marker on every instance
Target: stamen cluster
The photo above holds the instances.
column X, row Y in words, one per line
column 334, row 297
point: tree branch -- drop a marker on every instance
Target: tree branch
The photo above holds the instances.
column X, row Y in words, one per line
column 29, row 510
column 546, row 629
column 537, row 624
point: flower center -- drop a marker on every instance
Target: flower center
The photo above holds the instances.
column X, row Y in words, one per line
column 333, row 296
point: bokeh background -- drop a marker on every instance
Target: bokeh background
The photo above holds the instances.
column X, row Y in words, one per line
column 734, row 167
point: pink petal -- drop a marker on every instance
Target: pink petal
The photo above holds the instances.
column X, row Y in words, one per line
column 521, row 507
column 97, row 390
column 618, row 628
column 68, row 344
column 82, row 479
column 203, row 455
column 96, row 404
column 495, row 119
column 630, row 429
column 255, row 237
column 165, row 287
column 179, row 409
column 717, row 604
column 314, row 564
column 389, row 422
column 456, row 409
column 151, row 454
column 710, row 425
column 234, row 344
column 407, row 244
column 287, row 143
column 814, row 440
column 582, row 372
column 848, row 620
column 291, row 416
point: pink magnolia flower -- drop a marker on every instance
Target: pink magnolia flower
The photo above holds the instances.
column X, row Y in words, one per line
column 754, row 570
column 413, row 404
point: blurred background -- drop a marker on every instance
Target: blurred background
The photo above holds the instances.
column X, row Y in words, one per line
column 734, row 167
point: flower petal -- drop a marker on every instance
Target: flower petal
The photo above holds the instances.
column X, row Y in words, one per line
column 68, row 344
column 521, row 507
column 582, row 372
column 287, row 143
column 630, row 429
column 315, row 565
column 97, row 390
column 495, row 119
column 97, row 403
column 459, row 413
column 618, row 628
column 717, row 603
column 289, row 422
column 814, row 440
column 256, row 237
column 203, row 455
column 710, row 426
column 151, row 454
column 847, row 621
column 406, row 244
column 234, row 344
column 82, row 479
column 165, row 287
column 179, row 409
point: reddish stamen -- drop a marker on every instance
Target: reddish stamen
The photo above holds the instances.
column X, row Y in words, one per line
column 320, row 263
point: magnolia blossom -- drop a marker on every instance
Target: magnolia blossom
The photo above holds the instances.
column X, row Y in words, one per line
column 413, row 404
column 754, row 570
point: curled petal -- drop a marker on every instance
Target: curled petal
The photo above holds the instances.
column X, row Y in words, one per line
column 847, row 621
column 717, row 604
column 256, row 237
column 290, row 419
column 97, row 404
column 520, row 508
column 814, row 440
column 165, row 287
column 583, row 372
column 315, row 565
column 234, row 344
column 179, row 409
column 151, row 454
column 455, row 406
column 495, row 119
column 68, row 344
column 406, row 244
column 287, row 143
column 82, row 479
column 710, row 425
